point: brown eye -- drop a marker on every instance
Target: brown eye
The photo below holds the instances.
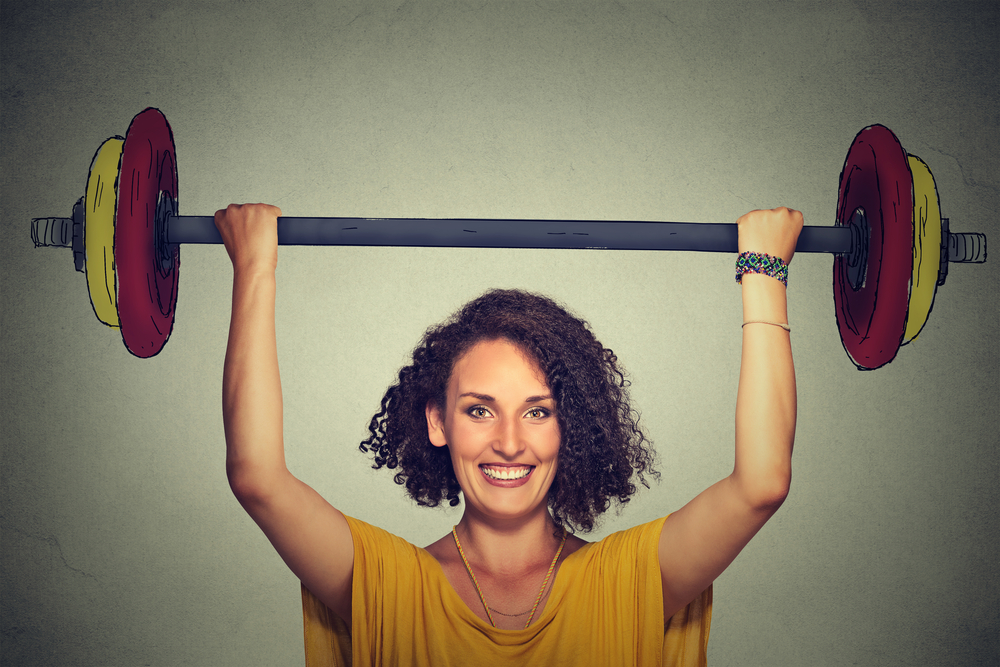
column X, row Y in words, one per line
column 479, row 412
column 537, row 413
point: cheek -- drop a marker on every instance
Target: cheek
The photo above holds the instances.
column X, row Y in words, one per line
column 462, row 432
column 465, row 441
column 553, row 442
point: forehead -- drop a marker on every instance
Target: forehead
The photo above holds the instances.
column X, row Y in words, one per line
column 495, row 365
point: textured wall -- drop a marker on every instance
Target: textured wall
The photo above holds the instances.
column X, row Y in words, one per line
column 121, row 544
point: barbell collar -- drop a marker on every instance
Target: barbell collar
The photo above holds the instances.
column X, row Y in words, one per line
column 966, row 247
column 52, row 232
column 62, row 233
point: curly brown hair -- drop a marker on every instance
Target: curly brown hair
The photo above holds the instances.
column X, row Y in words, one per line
column 602, row 447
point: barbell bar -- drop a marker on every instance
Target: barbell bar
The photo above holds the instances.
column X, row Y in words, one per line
column 891, row 246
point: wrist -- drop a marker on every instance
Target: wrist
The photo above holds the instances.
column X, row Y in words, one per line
column 764, row 299
column 761, row 263
column 254, row 271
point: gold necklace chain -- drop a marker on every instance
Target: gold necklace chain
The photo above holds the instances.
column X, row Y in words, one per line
column 520, row 613
column 475, row 582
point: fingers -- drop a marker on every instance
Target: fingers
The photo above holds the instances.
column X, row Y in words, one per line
column 250, row 234
column 236, row 214
column 774, row 232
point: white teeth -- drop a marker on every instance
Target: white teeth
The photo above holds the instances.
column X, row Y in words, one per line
column 506, row 473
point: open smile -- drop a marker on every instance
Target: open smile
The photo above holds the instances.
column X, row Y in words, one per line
column 506, row 476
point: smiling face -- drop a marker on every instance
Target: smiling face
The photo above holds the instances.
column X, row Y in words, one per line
column 499, row 424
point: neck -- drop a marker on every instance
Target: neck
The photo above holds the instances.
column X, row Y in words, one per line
column 508, row 547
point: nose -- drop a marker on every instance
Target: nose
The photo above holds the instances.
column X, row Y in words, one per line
column 509, row 440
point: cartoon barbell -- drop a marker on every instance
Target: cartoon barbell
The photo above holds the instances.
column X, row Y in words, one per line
column 891, row 245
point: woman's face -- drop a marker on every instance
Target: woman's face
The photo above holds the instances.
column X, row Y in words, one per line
column 500, row 426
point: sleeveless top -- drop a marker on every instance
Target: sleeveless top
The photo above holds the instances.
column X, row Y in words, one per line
column 605, row 608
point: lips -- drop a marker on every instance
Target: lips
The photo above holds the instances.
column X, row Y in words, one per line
column 506, row 476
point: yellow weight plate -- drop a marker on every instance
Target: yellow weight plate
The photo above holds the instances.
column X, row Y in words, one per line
column 99, row 230
column 926, row 247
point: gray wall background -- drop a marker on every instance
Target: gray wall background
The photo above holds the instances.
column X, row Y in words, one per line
column 121, row 544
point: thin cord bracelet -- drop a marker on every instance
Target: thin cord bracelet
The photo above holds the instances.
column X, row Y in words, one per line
column 762, row 263
column 774, row 324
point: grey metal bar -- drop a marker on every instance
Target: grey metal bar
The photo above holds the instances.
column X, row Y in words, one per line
column 485, row 233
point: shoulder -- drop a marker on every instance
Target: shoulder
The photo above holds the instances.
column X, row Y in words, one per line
column 372, row 543
column 617, row 578
column 387, row 564
column 630, row 553
column 644, row 536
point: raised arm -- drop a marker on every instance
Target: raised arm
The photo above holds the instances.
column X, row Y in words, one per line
column 311, row 536
column 701, row 539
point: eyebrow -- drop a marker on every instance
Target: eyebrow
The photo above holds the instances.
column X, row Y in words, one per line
column 487, row 398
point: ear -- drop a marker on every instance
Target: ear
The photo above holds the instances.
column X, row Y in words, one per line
column 435, row 425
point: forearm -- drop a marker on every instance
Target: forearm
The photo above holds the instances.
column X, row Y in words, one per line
column 251, row 387
column 766, row 401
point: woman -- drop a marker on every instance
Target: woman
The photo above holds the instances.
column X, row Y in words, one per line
column 490, row 592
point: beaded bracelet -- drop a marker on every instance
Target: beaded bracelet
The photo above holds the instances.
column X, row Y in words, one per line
column 758, row 262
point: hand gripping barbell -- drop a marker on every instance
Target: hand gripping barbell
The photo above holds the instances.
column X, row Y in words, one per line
column 891, row 245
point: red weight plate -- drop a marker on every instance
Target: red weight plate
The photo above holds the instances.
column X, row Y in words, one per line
column 877, row 179
column 147, row 287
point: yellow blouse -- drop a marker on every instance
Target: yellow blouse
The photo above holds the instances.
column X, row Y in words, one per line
column 605, row 609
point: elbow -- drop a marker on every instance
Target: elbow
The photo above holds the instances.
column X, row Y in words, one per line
column 765, row 492
column 770, row 492
column 251, row 489
column 774, row 496
column 241, row 484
